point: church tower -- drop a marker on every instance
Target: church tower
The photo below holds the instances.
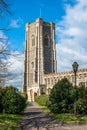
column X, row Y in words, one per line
column 40, row 55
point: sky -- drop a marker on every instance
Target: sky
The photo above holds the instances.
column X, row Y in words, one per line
column 70, row 18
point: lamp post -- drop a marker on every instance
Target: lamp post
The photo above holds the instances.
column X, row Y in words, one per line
column 75, row 69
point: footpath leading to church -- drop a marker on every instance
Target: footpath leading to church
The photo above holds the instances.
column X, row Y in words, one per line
column 36, row 119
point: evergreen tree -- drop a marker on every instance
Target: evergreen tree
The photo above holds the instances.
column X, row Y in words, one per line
column 61, row 98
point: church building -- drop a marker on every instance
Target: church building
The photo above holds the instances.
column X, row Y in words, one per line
column 40, row 64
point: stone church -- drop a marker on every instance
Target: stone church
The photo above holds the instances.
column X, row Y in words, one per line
column 40, row 64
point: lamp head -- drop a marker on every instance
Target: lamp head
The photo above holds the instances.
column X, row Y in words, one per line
column 75, row 66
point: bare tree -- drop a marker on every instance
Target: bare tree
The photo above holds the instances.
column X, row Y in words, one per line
column 5, row 52
column 4, row 7
column 4, row 46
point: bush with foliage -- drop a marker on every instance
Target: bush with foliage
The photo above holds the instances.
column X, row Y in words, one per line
column 81, row 100
column 13, row 101
column 61, row 98
column 64, row 98
column 41, row 100
column 81, row 106
column 81, row 92
column 2, row 91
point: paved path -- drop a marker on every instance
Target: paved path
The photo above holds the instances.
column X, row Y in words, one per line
column 35, row 119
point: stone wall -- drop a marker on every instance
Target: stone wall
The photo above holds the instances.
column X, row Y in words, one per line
column 51, row 79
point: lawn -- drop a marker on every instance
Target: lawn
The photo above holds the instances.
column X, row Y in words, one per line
column 66, row 117
column 10, row 122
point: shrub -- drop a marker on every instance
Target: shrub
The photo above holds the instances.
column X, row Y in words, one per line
column 61, row 98
column 81, row 92
column 81, row 106
column 64, row 98
column 2, row 92
column 13, row 101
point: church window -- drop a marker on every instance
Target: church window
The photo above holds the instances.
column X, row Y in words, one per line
column 35, row 76
column 55, row 81
column 33, row 40
column 51, row 81
column 49, row 90
column 32, row 64
column 48, row 81
column 45, row 81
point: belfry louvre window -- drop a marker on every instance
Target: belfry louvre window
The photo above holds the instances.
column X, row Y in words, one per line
column 33, row 40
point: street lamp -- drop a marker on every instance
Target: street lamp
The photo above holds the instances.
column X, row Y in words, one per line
column 75, row 69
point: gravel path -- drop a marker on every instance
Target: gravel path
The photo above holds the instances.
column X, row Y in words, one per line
column 35, row 119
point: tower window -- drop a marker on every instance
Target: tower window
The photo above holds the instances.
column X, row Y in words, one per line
column 35, row 76
column 32, row 64
column 33, row 40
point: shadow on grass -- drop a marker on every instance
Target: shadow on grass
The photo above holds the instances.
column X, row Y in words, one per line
column 66, row 117
column 35, row 118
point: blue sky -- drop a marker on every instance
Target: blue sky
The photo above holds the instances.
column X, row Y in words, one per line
column 27, row 11
column 70, row 18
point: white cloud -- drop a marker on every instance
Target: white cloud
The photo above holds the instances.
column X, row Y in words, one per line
column 14, row 63
column 15, row 69
column 72, row 35
column 2, row 35
column 16, row 23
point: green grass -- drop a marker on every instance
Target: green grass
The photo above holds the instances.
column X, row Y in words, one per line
column 66, row 117
column 41, row 99
column 45, row 109
column 70, row 118
column 10, row 122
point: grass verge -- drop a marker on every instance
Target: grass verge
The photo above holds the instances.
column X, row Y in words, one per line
column 66, row 117
column 10, row 122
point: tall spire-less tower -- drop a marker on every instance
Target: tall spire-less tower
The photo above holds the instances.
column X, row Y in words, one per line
column 40, row 55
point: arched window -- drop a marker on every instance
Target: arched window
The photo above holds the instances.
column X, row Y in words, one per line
column 52, row 81
column 48, row 81
column 36, row 76
column 49, row 90
column 55, row 81
column 33, row 40
column 45, row 81
column 32, row 64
